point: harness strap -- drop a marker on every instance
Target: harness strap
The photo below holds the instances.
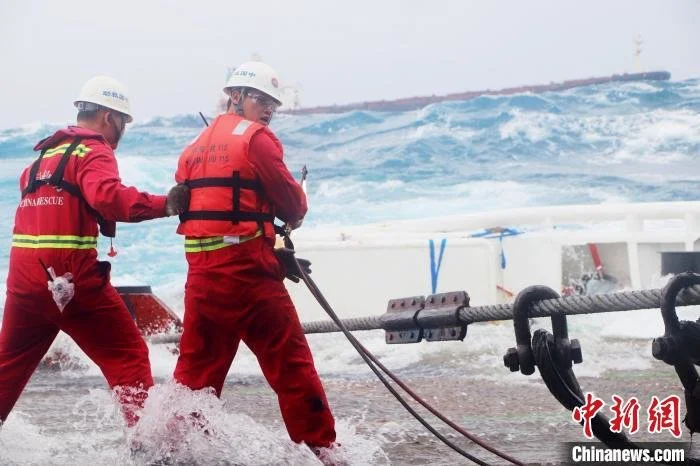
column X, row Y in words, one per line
column 235, row 217
column 32, row 184
column 236, row 180
column 66, row 186
column 225, row 182
column 57, row 181
column 57, row 176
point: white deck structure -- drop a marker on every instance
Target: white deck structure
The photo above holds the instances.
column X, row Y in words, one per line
column 392, row 260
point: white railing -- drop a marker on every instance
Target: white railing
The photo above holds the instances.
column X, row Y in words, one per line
column 362, row 267
column 633, row 214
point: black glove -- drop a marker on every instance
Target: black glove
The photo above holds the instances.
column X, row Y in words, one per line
column 178, row 200
column 286, row 258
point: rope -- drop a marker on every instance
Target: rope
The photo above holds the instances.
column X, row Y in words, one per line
column 435, row 412
column 357, row 323
column 375, row 365
column 321, row 326
column 570, row 305
column 573, row 305
column 370, row 361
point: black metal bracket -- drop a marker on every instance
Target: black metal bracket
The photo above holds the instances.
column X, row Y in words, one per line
column 440, row 317
column 668, row 348
column 521, row 357
column 671, row 348
column 400, row 321
column 435, row 318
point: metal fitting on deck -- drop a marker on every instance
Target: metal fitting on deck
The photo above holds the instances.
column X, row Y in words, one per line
column 440, row 317
column 669, row 348
column 435, row 318
column 400, row 322
column 521, row 357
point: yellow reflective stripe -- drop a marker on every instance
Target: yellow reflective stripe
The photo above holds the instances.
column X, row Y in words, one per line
column 205, row 244
column 214, row 242
column 54, row 241
column 56, row 150
column 80, row 151
column 248, row 238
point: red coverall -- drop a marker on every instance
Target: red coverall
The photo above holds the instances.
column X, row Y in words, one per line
column 61, row 230
column 235, row 292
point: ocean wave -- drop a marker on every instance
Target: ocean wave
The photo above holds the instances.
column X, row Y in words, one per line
column 622, row 142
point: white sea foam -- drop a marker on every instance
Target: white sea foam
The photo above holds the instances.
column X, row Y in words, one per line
column 369, row 171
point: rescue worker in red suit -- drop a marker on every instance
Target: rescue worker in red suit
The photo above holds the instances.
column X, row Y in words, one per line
column 72, row 187
column 234, row 292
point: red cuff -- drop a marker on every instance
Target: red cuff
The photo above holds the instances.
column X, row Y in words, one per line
column 159, row 203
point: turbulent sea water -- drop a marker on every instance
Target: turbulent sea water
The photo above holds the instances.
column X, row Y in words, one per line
column 620, row 142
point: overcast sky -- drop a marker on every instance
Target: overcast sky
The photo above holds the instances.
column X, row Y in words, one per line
column 173, row 56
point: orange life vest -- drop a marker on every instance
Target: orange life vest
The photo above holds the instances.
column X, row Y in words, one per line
column 226, row 196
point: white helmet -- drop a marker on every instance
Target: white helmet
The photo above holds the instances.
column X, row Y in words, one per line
column 103, row 91
column 256, row 75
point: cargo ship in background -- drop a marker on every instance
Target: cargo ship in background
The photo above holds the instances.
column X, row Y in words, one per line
column 291, row 101
column 414, row 103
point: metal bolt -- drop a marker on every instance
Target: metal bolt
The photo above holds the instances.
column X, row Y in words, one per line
column 576, row 354
column 660, row 348
column 510, row 360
